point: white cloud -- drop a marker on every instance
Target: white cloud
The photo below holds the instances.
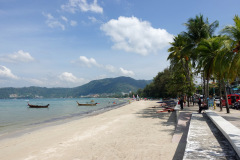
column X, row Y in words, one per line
column 126, row 72
column 19, row 56
column 64, row 18
column 75, row 5
column 133, row 35
column 37, row 82
column 88, row 61
column 73, row 23
column 69, row 77
column 6, row 73
column 53, row 22
column 110, row 68
column 93, row 19
column 91, row 62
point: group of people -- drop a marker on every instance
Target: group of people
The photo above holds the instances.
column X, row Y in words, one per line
column 202, row 105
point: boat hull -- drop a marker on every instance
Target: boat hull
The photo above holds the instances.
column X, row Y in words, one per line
column 87, row 104
column 37, row 106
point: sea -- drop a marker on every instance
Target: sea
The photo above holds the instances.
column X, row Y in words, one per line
column 16, row 117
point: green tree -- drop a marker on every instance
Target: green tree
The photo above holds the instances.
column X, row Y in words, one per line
column 159, row 87
column 210, row 58
column 198, row 28
column 234, row 34
column 180, row 62
column 208, row 50
column 231, row 59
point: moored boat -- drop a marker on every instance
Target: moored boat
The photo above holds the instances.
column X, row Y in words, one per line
column 38, row 106
column 86, row 104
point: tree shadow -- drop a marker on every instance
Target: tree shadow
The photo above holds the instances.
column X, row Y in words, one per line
column 152, row 113
column 228, row 118
column 168, row 117
column 183, row 141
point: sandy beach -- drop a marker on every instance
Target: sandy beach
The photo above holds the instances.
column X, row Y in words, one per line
column 134, row 131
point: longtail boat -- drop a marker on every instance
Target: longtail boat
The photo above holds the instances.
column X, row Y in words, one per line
column 86, row 104
column 37, row 106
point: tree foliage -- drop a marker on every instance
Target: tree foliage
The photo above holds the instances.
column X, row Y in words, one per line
column 166, row 84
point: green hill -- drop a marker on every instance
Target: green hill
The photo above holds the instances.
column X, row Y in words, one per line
column 110, row 85
column 102, row 86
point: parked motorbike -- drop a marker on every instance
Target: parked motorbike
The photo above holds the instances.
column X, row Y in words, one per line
column 236, row 105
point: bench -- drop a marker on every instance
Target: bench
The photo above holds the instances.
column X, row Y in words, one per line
column 231, row 132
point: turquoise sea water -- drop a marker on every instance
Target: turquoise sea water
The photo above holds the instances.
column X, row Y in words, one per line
column 16, row 115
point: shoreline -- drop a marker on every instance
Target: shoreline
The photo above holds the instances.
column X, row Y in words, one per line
column 56, row 121
column 133, row 131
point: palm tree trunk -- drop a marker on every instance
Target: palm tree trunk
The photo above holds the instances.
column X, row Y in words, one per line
column 226, row 98
column 207, row 90
column 220, row 94
column 186, row 68
column 204, row 87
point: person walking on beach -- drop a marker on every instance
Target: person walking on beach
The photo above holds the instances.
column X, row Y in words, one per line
column 181, row 103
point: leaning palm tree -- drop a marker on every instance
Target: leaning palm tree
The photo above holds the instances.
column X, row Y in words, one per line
column 179, row 59
column 177, row 54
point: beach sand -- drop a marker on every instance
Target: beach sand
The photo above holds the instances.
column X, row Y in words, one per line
column 134, row 131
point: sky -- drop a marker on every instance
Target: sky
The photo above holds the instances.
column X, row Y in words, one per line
column 68, row 43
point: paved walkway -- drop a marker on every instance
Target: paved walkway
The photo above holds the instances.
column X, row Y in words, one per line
column 211, row 144
column 205, row 141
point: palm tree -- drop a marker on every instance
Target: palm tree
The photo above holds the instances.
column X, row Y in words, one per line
column 234, row 43
column 212, row 57
column 179, row 59
column 198, row 29
column 208, row 50
column 234, row 33
column 222, row 66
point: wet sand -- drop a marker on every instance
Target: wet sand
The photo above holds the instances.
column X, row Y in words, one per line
column 134, row 131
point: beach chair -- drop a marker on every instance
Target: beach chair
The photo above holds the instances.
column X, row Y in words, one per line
column 168, row 107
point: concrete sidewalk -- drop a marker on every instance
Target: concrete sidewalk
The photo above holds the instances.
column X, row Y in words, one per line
column 233, row 117
column 204, row 140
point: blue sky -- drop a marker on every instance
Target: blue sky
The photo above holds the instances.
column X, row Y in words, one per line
column 67, row 43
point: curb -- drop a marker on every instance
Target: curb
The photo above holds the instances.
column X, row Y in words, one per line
column 231, row 132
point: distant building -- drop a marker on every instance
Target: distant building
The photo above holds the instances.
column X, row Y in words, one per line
column 13, row 96
column 37, row 96
column 125, row 93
